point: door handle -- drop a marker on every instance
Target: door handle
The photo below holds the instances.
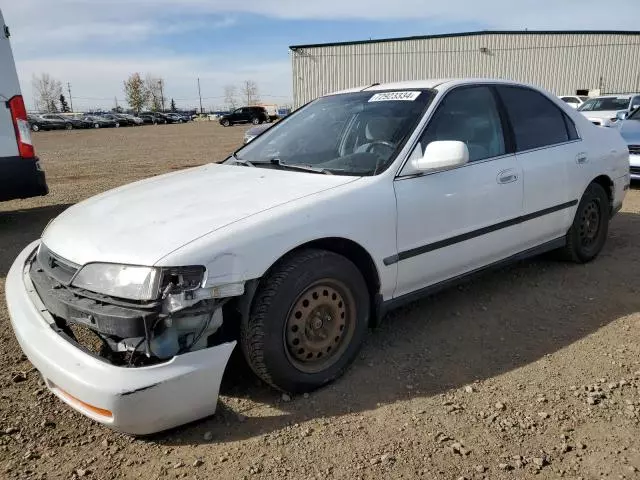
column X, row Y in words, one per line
column 507, row 176
column 581, row 158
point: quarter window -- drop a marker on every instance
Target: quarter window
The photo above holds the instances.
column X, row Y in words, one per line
column 535, row 120
column 469, row 115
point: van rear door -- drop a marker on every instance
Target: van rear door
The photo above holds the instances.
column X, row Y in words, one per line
column 20, row 172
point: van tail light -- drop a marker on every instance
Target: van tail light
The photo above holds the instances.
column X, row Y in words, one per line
column 21, row 126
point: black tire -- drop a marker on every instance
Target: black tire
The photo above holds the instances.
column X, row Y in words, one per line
column 588, row 233
column 339, row 310
column 256, row 121
column 96, row 125
column 35, row 128
column 68, row 126
column 117, row 125
column 225, row 123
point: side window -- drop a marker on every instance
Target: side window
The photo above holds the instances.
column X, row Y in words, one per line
column 536, row 121
column 571, row 128
column 470, row 115
column 570, row 99
column 635, row 103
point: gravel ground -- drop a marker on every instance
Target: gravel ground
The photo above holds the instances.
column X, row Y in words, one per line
column 532, row 371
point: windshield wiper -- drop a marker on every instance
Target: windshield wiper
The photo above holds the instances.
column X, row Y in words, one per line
column 290, row 166
column 241, row 161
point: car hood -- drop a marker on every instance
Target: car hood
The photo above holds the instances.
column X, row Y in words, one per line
column 630, row 131
column 601, row 114
column 142, row 222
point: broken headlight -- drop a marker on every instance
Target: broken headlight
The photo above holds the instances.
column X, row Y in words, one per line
column 136, row 282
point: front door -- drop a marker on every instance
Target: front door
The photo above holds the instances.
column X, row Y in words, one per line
column 456, row 221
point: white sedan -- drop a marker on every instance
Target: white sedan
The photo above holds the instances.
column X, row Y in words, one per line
column 302, row 240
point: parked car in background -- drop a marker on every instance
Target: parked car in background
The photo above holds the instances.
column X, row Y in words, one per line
column 603, row 111
column 132, row 118
column 359, row 202
column 175, row 117
column 629, row 128
column 39, row 122
column 68, row 125
column 152, row 118
column 99, row 121
column 21, row 175
column 79, row 121
column 253, row 132
column 117, row 118
column 574, row 101
column 255, row 115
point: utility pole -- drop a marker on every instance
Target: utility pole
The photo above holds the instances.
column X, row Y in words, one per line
column 161, row 94
column 70, row 99
column 200, row 95
column 116, row 99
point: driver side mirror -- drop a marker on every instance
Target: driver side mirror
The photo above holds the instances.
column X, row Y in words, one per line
column 442, row 155
column 622, row 115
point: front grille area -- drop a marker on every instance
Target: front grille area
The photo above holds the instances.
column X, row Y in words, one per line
column 634, row 149
column 55, row 266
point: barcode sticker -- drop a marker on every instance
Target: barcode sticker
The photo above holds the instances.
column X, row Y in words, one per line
column 395, row 96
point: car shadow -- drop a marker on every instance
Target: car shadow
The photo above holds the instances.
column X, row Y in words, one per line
column 18, row 228
column 481, row 329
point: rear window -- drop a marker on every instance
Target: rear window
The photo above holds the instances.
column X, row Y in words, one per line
column 536, row 121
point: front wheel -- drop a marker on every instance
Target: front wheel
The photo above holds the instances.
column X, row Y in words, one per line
column 225, row 123
column 307, row 322
column 255, row 121
column 588, row 233
column 35, row 128
column 96, row 125
column 68, row 126
column 117, row 125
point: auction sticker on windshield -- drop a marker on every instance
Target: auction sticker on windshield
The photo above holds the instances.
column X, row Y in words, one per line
column 392, row 96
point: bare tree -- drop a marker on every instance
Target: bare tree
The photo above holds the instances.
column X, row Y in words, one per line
column 136, row 92
column 230, row 99
column 155, row 87
column 249, row 91
column 47, row 92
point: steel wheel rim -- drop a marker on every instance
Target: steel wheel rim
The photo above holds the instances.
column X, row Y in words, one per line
column 589, row 223
column 319, row 326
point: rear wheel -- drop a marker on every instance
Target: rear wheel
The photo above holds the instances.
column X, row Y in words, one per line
column 96, row 125
column 68, row 126
column 588, row 233
column 255, row 121
column 35, row 128
column 225, row 122
column 307, row 322
column 117, row 125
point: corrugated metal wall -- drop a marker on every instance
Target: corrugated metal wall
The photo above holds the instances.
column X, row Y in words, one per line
column 561, row 63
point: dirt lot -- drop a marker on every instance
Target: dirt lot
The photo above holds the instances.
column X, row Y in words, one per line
column 533, row 371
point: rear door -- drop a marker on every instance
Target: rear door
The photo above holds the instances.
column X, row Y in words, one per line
column 9, row 87
column 550, row 153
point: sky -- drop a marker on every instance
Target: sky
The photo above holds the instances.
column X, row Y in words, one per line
column 94, row 45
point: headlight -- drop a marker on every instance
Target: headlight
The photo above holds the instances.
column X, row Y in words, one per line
column 124, row 281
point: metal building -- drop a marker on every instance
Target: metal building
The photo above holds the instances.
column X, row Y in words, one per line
column 564, row 62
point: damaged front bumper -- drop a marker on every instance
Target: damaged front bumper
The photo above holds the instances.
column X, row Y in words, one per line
column 140, row 400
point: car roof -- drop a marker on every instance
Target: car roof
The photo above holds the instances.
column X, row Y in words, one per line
column 431, row 84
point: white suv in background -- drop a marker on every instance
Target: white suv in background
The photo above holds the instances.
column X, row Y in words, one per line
column 603, row 111
column 20, row 172
column 574, row 101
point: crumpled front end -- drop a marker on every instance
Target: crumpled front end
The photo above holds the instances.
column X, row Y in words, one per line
column 138, row 367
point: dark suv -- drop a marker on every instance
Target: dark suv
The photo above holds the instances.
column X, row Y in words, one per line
column 255, row 115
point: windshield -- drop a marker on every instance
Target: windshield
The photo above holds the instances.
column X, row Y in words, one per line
column 350, row 134
column 635, row 115
column 605, row 103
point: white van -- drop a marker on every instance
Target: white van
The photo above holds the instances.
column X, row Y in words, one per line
column 20, row 173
